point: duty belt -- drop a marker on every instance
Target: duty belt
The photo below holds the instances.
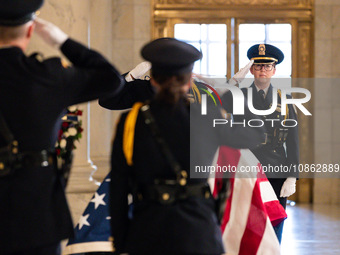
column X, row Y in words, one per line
column 11, row 162
column 42, row 158
column 11, row 158
column 276, row 139
column 168, row 194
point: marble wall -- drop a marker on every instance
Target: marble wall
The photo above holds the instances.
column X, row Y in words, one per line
column 327, row 103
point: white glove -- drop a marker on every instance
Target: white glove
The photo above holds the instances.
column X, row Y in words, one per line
column 138, row 71
column 288, row 187
column 241, row 74
column 50, row 33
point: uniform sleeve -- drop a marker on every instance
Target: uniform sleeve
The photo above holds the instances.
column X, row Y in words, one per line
column 227, row 101
column 292, row 143
column 238, row 136
column 90, row 77
column 215, row 126
column 132, row 92
column 119, row 192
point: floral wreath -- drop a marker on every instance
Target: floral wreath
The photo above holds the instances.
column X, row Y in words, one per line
column 69, row 132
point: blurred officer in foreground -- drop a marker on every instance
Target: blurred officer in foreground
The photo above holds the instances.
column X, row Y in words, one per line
column 34, row 214
column 151, row 158
column 281, row 144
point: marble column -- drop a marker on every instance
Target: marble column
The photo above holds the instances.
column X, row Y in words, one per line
column 327, row 104
column 102, row 122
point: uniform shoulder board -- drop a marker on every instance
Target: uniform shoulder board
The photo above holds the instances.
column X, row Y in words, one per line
column 38, row 56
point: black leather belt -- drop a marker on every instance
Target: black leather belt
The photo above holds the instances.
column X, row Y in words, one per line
column 9, row 162
column 168, row 194
column 42, row 158
column 277, row 139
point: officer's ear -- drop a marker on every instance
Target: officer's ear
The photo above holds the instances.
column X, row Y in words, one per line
column 252, row 69
column 274, row 69
column 30, row 29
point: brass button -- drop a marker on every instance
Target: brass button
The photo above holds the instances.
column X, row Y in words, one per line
column 184, row 174
column 15, row 150
column 182, row 182
column 2, row 166
column 207, row 194
column 165, row 196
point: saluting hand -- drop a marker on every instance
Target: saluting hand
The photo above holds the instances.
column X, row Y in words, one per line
column 50, row 33
column 241, row 74
column 138, row 71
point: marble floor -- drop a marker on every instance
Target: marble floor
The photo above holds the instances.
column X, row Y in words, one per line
column 308, row 230
column 311, row 229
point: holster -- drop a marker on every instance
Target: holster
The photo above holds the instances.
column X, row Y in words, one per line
column 279, row 137
column 221, row 199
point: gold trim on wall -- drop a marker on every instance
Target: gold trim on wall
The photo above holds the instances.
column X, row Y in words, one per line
column 298, row 4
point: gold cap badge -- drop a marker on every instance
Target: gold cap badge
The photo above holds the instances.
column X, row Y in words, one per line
column 262, row 49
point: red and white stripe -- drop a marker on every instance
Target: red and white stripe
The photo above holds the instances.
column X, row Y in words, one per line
column 246, row 224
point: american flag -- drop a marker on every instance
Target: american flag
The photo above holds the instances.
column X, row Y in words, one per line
column 93, row 231
column 251, row 209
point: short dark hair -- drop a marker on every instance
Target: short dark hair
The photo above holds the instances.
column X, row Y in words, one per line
column 8, row 34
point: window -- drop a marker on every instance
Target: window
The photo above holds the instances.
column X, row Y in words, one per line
column 211, row 39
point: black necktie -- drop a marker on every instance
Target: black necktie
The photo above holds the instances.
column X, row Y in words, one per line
column 261, row 93
column 262, row 96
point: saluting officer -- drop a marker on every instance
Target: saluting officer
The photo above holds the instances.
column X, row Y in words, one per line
column 34, row 215
column 151, row 158
column 281, row 144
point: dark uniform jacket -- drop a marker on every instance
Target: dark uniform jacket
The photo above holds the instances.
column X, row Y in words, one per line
column 33, row 96
column 267, row 154
column 132, row 92
column 186, row 226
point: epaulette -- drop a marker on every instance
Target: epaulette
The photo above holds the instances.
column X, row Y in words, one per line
column 38, row 56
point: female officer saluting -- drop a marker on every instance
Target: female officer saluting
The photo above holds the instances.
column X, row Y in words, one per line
column 153, row 152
